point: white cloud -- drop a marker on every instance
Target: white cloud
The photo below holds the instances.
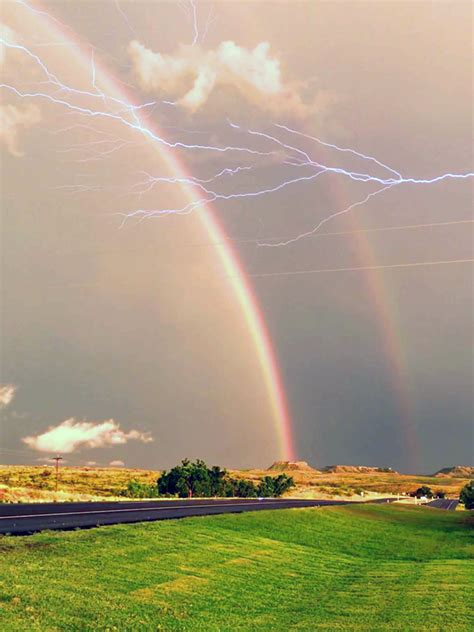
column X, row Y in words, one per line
column 116, row 463
column 12, row 118
column 192, row 74
column 7, row 393
column 70, row 435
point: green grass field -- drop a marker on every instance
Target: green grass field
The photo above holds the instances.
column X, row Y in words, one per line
column 339, row 568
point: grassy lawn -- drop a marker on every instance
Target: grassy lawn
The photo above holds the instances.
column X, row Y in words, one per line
column 339, row 568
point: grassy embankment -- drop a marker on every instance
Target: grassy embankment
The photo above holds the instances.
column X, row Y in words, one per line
column 20, row 483
column 339, row 568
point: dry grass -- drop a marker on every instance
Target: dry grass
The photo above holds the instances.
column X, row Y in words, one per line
column 19, row 483
column 31, row 495
column 24, row 483
column 350, row 484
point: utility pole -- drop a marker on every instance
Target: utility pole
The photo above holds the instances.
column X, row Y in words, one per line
column 57, row 459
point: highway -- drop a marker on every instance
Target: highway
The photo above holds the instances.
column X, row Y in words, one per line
column 23, row 519
column 444, row 503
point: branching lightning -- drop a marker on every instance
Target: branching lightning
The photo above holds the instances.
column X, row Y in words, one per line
column 295, row 166
column 190, row 10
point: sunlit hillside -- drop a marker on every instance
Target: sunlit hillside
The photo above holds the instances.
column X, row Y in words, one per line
column 20, row 483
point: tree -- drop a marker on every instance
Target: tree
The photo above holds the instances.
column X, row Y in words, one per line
column 281, row 484
column 275, row 486
column 424, row 491
column 197, row 479
column 267, row 487
column 467, row 495
column 186, row 480
column 217, row 478
column 244, row 488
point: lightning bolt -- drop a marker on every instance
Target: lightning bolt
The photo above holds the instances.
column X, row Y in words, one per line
column 195, row 21
column 125, row 18
column 301, row 166
column 190, row 10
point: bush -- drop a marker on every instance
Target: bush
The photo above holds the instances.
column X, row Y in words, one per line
column 467, row 495
column 244, row 489
column 135, row 489
column 424, row 491
column 275, row 486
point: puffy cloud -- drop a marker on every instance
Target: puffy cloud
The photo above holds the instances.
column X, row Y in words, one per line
column 70, row 435
column 12, row 118
column 192, row 74
column 7, row 393
column 116, row 463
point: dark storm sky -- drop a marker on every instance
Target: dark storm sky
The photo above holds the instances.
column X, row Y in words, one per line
column 137, row 325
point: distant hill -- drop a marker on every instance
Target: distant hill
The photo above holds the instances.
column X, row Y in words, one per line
column 294, row 466
column 456, row 471
column 357, row 469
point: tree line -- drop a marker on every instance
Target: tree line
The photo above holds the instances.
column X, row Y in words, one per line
column 190, row 479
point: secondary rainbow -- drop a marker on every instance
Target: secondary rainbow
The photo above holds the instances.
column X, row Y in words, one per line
column 388, row 331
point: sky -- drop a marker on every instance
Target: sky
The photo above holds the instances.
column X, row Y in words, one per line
column 237, row 231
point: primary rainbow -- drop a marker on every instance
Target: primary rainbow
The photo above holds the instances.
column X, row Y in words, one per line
column 229, row 259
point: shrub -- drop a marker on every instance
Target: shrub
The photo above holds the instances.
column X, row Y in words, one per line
column 135, row 489
column 424, row 490
column 275, row 486
column 244, row 489
column 467, row 495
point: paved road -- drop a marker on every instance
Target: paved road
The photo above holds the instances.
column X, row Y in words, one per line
column 21, row 519
column 444, row 503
